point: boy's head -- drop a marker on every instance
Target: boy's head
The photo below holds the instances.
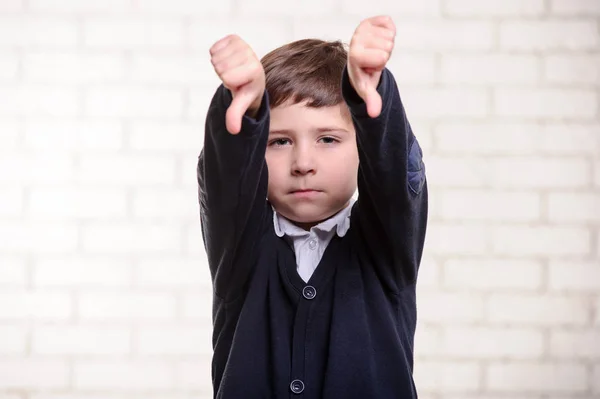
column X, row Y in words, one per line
column 311, row 153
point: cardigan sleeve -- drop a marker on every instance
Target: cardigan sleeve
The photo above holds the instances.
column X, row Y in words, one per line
column 391, row 211
column 232, row 190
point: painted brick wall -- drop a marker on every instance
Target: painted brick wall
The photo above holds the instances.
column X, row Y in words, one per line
column 104, row 287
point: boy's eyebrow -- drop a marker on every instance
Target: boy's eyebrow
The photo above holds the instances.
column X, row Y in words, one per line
column 317, row 130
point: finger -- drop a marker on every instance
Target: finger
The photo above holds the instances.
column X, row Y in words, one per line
column 229, row 50
column 372, row 42
column 239, row 76
column 220, row 44
column 384, row 21
column 232, row 62
column 373, row 101
column 237, row 109
column 369, row 58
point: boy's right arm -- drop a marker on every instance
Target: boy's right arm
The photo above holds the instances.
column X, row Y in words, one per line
column 232, row 172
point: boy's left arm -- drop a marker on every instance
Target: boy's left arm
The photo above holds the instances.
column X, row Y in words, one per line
column 392, row 205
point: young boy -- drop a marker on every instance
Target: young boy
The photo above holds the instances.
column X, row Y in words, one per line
column 314, row 293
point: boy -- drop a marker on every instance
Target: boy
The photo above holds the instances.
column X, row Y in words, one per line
column 314, row 293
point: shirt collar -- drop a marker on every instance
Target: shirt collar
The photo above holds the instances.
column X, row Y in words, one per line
column 340, row 222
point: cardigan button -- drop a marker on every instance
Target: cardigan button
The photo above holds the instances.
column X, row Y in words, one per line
column 309, row 292
column 297, row 387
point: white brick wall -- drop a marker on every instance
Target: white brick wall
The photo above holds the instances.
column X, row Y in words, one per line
column 104, row 287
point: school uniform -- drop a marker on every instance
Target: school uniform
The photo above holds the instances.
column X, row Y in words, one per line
column 328, row 313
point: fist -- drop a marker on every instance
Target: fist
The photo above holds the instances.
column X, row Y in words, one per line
column 242, row 73
column 370, row 49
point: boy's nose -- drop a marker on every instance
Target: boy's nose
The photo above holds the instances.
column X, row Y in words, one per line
column 303, row 163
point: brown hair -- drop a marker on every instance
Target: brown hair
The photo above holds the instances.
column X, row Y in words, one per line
column 307, row 69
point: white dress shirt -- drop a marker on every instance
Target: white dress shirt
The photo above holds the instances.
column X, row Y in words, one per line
column 309, row 246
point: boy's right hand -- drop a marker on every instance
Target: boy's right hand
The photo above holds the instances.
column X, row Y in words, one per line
column 242, row 73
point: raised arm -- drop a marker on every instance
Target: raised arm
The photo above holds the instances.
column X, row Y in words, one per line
column 232, row 173
column 392, row 205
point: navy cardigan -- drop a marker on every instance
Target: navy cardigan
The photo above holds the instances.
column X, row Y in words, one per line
column 347, row 333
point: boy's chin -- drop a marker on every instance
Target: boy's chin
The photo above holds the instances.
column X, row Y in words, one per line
column 308, row 215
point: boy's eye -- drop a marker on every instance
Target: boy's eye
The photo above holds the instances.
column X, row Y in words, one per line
column 279, row 142
column 328, row 140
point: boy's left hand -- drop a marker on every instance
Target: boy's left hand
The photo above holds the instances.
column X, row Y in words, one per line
column 370, row 49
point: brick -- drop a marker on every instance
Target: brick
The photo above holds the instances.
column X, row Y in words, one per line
column 597, row 173
column 584, row 8
column 482, row 343
column 496, row 69
column 14, row 340
column 123, row 375
column 11, row 5
column 171, row 272
column 576, row 276
column 451, row 103
column 14, row 271
column 38, row 305
column 175, row 341
column 537, row 310
column 444, row 35
column 173, row 69
column 534, row 172
column 426, row 8
column 470, row 8
column 70, row 135
column 194, row 374
column 537, row 377
column 572, row 69
column 80, row 340
column 549, row 35
column 166, row 137
column 491, row 274
column 413, row 69
column 574, row 207
column 153, row 204
column 81, row 272
column 77, row 203
column 489, row 205
column 597, row 311
column 131, row 307
column 199, row 101
column 38, row 238
column 121, row 238
column 129, row 170
column 9, row 67
column 596, row 379
column 11, row 202
column 72, row 68
column 133, row 33
column 197, row 306
column 202, row 34
column 9, row 139
column 429, row 272
column 184, row 7
column 194, row 245
column 37, row 101
column 545, row 103
column 441, row 307
column 578, row 344
column 463, row 172
column 39, row 169
column 571, row 139
column 30, row 372
column 28, row 31
column 441, row 376
column 75, row 6
column 287, row 8
column 543, row 241
column 457, row 239
column 134, row 102
column 427, row 341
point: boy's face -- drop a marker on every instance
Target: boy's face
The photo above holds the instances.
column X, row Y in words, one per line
column 313, row 162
